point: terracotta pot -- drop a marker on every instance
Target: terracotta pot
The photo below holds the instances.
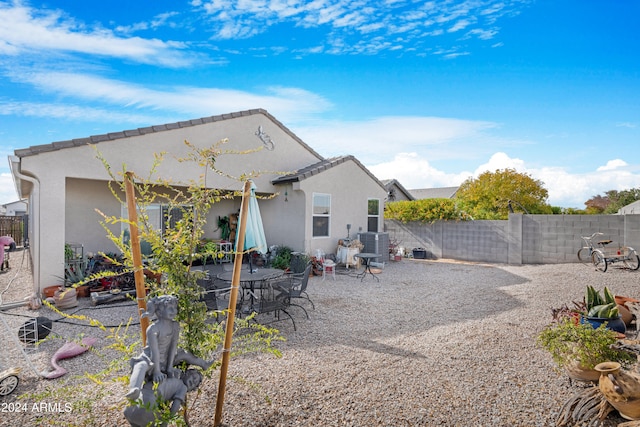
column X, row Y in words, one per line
column 83, row 291
column 579, row 373
column 626, row 314
column 621, row 388
column 623, row 300
column 50, row 290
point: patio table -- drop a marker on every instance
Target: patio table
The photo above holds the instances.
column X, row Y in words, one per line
column 248, row 279
column 366, row 258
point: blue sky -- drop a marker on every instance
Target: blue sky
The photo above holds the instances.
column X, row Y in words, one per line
column 426, row 92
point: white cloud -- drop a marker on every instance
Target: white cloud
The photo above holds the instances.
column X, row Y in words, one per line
column 27, row 31
column 612, row 165
column 289, row 104
column 565, row 189
column 413, row 171
column 383, row 137
column 349, row 23
column 72, row 112
column 500, row 161
column 7, row 189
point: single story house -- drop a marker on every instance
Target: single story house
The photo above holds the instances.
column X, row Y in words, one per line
column 396, row 191
column 17, row 208
column 631, row 208
column 64, row 183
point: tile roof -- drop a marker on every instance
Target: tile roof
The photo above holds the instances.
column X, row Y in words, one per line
column 434, row 193
column 321, row 166
column 95, row 139
column 389, row 183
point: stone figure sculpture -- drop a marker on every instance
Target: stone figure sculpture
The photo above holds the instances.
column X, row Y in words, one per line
column 154, row 375
column 157, row 358
column 170, row 392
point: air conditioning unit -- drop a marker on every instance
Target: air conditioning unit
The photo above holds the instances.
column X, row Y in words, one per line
column 375, row 243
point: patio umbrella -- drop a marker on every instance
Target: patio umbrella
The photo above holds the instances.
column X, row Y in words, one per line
column 254, row 239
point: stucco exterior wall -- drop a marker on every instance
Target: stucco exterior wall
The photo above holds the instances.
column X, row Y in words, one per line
column 350, row 188
column 284, row 218
column 55, row 169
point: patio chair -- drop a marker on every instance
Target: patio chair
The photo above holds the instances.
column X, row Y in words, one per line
column 216, row 296
column 328, row 269
column 295, row 286
column 327, row 265
column 270, row 301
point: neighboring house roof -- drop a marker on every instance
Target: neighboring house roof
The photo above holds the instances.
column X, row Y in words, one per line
column 390, row 183
column 17, row 202
column 434, row 193
column 37, row 149
column 321, row 166
column 631, row 208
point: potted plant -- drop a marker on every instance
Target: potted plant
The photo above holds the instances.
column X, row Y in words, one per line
column 578, row 347
column 282, row 258
column 603, row 309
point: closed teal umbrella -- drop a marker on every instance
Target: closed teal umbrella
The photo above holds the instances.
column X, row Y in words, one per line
column 254, row 239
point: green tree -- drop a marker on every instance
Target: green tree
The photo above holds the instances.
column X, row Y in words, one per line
column 493, row 194
column 424, row 210
column 619, row 199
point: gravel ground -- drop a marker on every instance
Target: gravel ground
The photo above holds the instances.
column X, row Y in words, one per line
column 433, row 343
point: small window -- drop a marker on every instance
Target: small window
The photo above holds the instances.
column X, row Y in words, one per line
column 321, row 214
column 160, row 216
column 373, row 214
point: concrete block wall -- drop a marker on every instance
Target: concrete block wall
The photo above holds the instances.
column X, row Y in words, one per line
column 522, row 239
column 476, row 240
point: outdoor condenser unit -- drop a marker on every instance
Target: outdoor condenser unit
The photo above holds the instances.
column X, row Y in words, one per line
column 376, row 243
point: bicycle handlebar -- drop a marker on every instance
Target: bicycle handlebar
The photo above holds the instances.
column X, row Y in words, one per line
column 597, row 233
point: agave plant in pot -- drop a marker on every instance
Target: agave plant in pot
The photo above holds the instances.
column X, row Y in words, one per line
column 603, row 309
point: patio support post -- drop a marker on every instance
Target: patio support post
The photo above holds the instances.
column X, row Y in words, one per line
column 138, row 271
column 235, row 283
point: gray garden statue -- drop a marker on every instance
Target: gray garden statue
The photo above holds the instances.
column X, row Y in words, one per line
column 170, row 393
column 154, row 374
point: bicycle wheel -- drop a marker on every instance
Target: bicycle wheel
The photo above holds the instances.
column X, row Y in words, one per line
column 8, row 384
column 584, row 255
column 599, row 261
column 632, row 261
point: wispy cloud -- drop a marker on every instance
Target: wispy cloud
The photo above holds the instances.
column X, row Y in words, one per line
column 627, row 125
column 288, row 103
column 42, row 32
column 383, row 137
column 350, row 25
column 72, row 113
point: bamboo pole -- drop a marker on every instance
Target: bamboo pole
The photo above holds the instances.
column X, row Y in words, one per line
column 235, row 283
column 138, row 271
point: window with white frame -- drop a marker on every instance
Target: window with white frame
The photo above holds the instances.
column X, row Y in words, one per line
column 321, row 214
column 160, row 216
column 373, row 214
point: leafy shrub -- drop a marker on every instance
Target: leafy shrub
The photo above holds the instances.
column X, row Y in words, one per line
column 424, row 210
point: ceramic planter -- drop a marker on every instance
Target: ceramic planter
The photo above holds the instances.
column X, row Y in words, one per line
column 615, row 323
column 621, row 388
column 579, row 373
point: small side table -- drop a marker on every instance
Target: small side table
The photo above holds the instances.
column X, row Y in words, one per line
column 366, row 258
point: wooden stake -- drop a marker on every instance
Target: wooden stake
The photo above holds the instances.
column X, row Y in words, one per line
column 235, row 283
column 138, row 270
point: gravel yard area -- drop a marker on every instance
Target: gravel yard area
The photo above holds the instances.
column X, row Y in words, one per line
column 433, row 343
